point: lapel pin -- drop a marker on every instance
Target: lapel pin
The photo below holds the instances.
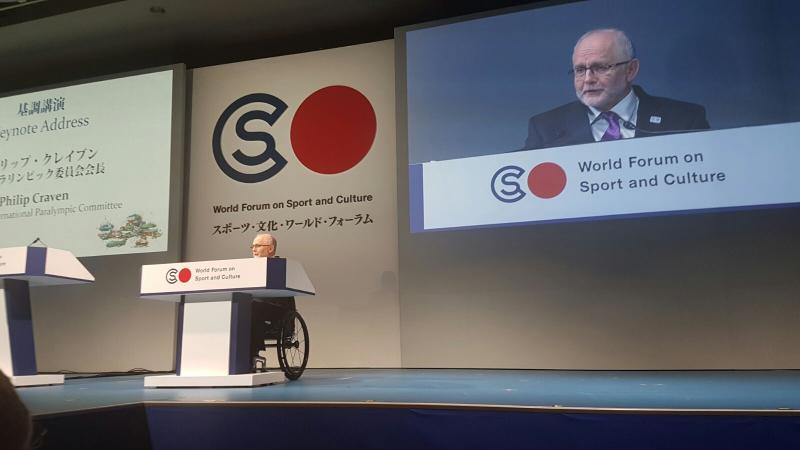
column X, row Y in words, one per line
column 655, row 119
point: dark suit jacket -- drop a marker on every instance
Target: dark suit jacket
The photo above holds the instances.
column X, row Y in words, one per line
column 569, row 124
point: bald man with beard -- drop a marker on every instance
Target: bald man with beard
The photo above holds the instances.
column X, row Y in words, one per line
column 267, row 312
column 609, row 106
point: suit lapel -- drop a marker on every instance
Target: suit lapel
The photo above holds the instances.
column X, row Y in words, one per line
column 648, row 118
column 577, row 129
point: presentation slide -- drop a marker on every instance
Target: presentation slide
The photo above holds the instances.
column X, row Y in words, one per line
column 602, row 110
column 86, row 168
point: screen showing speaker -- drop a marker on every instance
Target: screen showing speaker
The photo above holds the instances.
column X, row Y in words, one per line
column 602, row 110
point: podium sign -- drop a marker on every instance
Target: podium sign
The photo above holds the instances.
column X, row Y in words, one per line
column 41, row 266
column 215, row 314
column 199, row 281
column 12, row 261
column 20, row 269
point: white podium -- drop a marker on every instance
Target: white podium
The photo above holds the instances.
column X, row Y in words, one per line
column 213, row 348
column 20, row 269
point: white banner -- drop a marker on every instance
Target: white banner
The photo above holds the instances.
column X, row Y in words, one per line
column 303, row 147
column 736, row 168
column 201, row 276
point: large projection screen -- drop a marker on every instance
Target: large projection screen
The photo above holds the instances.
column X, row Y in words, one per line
column 87, row 167
column 498, row 136
column 656, row 285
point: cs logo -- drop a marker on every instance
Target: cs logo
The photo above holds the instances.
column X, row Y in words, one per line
column 546, row 180
column 173, row 275
column 269, row 153
column 332, row 130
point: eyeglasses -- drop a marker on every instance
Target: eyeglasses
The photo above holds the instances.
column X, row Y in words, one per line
column 260, row 245
column 597, row 69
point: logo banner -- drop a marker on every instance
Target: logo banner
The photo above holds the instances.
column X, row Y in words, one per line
column 711, row 170
column 303, row 147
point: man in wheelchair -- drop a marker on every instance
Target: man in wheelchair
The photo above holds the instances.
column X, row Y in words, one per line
column 268, row 314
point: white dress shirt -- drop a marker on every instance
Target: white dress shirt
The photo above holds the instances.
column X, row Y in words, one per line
column 626, row 109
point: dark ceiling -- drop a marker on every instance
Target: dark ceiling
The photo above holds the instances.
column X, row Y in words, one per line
column 52, row 41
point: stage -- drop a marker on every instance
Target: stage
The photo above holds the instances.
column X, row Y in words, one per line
column 425, row 408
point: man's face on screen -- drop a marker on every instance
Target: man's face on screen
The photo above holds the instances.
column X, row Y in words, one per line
column 602, row 91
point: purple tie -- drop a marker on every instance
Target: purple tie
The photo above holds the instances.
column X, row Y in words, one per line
column 613, row 132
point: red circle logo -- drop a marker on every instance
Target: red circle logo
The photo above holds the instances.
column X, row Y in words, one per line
column 547, row 180
column 333, row 129
column 184, row 275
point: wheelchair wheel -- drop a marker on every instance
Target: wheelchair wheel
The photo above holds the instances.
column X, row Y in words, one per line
column 293, row 345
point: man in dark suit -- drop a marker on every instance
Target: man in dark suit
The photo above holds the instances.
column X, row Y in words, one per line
column 267, row 313
column 609, row 106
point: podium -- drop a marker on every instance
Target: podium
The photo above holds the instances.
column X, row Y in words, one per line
column 215, row 298
column 20, row 269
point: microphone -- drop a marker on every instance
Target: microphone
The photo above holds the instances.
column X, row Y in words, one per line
column 632, row 126
column 627, row 124
column 35, row 241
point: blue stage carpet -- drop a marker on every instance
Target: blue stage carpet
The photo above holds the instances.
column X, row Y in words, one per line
column 404, row 409
column 736, row 390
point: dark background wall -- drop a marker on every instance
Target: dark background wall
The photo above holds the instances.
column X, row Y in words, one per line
column 57, row 41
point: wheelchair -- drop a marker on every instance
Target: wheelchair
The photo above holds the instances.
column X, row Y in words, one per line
column 277, row 324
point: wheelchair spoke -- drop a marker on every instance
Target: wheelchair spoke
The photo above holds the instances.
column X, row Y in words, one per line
column 293, row 346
